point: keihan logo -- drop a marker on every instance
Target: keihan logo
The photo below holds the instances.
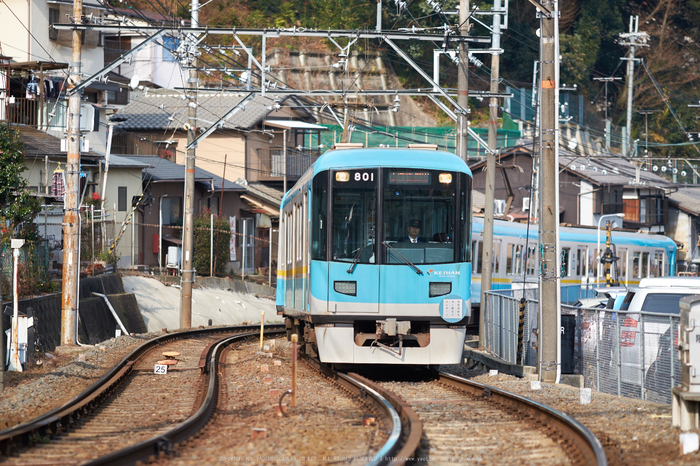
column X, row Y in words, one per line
column 444, row 273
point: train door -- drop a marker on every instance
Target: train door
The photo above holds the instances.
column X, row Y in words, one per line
column 353, row 284
column 305, row 253
column 299, row 272
column 289, row 259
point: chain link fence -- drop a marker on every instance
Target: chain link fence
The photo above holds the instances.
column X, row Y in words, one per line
column 632, row 354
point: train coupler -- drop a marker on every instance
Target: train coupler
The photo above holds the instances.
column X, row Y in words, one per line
column 392, row 327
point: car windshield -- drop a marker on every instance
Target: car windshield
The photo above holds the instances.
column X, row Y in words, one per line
column 626, row 302
column 667, row 303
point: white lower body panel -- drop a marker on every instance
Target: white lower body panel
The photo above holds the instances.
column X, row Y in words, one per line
column 336, row 345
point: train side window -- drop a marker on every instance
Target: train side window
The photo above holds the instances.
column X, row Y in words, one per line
column 635, row 265
column 319, row 223
column 496, row 255
column 580, row 262
column 658, row 261
column 477, row 249
column 645, row 264
column 622, row 270
column 514, row 259
column 565, row 262
column 531, row 255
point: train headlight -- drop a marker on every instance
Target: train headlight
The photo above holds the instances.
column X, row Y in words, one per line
column 342, row 176
column 445, row 178
column 349, row 288
column 439, row 289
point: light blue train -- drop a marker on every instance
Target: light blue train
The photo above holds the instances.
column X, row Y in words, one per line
column 350, row 280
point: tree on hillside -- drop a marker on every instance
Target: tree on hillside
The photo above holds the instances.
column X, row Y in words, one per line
column 18, row 208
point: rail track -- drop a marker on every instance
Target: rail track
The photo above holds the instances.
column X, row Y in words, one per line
column 131, row 413
column 464, row 421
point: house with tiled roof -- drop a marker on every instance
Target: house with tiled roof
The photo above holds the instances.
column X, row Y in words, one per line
column 46, row 163
column 162, row 212
column 252, row 132
column 684, row 226
column 589, row 186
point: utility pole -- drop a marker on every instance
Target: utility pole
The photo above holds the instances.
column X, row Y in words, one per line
column 632, row 39
column 549, row 338
column 607, row 80
column 187, row 272
column 71, row 232
column 646, row 114
column 487, row 253
column 463, row 78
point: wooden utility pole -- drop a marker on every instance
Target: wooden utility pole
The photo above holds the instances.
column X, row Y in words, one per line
column 489, row 194
column 187, row 272
column 71, row 231
column 463, row 78
column 550, row 298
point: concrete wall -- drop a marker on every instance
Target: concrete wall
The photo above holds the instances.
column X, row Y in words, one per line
column 97, row 323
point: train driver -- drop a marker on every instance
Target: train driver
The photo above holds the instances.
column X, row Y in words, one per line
column 414, row 227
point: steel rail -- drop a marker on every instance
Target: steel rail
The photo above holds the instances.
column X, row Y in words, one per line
column 577, row 434
column 51, row 422
column 150, row 449
column 407, row 428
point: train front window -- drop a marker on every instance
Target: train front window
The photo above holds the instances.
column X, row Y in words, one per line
column 354, row 213
column 419, row 208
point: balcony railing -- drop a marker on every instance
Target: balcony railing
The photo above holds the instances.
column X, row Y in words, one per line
column 38, row 113
column 268, row 164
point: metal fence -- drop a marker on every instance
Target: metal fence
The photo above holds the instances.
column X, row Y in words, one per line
column 632, row 354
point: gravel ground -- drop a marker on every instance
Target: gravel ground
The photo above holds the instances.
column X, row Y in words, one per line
column 325, row 427
column 633, row 432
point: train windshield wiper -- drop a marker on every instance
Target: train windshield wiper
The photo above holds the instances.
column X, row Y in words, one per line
column 408, row 262
column 356, row 259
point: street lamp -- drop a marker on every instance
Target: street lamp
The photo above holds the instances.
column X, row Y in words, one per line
column 597, row 275
column 160, row 234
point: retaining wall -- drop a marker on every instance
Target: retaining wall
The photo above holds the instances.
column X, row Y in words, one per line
column 96, row 321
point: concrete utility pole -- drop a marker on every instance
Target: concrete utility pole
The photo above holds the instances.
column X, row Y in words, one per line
column 71, row 232
column 463, row 78
column 632, row 39
column 549, row 338
column 487, row 253
column 188, row 221
column 607, row 80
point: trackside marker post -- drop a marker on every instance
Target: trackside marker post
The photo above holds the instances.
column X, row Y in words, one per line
column 262, row 327
column 295, row 339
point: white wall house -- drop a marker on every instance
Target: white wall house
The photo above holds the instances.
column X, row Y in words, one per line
column 20, row 17
column 153, row 64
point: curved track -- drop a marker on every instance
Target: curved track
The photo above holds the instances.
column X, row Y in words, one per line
column 130, row 406
column 464, row 421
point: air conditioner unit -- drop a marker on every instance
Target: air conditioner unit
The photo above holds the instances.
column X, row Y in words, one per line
column 499, row 207
column 89, row 118
column 526, row 204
